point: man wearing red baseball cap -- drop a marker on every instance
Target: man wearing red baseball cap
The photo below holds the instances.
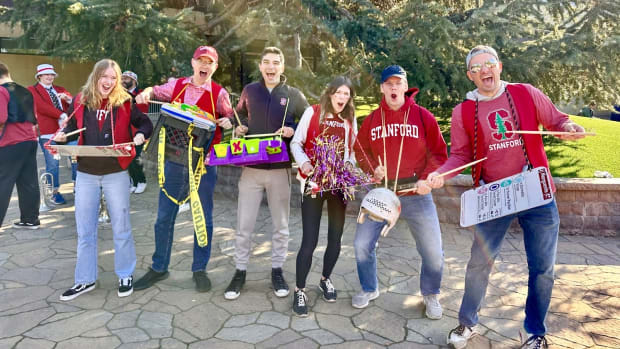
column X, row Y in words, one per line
column 200, row 90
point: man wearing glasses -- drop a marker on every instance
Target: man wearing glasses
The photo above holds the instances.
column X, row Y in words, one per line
column 481, row 127
column 200, row 90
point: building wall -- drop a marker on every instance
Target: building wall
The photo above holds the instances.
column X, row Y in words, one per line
column 70, row 75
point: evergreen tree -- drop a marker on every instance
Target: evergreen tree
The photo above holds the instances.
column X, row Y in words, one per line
column 501, row 128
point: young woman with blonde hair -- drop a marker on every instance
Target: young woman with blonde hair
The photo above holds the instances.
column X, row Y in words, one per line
column 106, row 110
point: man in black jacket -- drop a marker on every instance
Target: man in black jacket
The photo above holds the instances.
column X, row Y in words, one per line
column 266, row 106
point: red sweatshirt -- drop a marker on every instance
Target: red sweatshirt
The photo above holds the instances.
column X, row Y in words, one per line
column 424, row 148
column 502, row 148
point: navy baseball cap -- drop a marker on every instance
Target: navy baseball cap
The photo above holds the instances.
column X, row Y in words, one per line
column 393, row 70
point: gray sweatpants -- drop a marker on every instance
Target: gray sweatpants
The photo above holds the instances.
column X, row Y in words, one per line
column 277, row 183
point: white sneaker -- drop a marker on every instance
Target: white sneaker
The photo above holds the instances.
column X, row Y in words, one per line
column 140, row 188
column 459, row 336
column 132, row 189
column 433, row 308
column 184, row 207
column 362, row 299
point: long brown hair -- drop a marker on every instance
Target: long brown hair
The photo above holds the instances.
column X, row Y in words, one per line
column 90, row 93
column 348, row 113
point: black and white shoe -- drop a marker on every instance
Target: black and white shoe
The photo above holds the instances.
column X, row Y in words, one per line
column 300, row 303
column 234, row 288
column 328, row 289
column 125, row 286
column 27, row 225
column 76, row 291
column 280, row 287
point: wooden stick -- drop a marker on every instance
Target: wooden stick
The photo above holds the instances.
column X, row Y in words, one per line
column 75, row 132
column 557, row 133
column 385, row 175
column 460, row 168
column 157, row 102
column 263, row 135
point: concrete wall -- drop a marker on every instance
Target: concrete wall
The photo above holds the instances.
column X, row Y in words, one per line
column 587, row 206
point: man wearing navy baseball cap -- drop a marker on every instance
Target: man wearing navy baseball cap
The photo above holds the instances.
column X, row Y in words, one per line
column 402, row 140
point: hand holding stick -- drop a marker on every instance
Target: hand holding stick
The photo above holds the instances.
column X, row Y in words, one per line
column 435, row 179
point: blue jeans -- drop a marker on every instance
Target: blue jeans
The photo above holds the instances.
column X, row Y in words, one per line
column 540, row 236
column 87, row 196
column 421, row 215
column 177, row 186
column 52, row 165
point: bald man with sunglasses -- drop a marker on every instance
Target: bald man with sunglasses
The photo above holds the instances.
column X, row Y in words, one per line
column 480, row 128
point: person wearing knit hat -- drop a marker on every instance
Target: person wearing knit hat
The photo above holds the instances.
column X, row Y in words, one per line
column 129, row 80
column 51, row 102
column 483, row 127
column 200, row 90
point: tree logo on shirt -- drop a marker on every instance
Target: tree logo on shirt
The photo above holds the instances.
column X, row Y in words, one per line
column 499, row 121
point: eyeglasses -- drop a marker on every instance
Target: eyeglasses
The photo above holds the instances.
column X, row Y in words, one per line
column 477, row 67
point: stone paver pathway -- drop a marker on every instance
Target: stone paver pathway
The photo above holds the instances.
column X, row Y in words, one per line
column 37, row 266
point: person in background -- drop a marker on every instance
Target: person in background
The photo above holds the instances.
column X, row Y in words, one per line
column 52, row 102
column 129, row 80
column 18, row 151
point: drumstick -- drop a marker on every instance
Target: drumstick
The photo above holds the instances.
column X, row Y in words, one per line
column 557, row 133
column 385, row 175
column 460, row 168
column 157, row 102
column 263, row 135
column 74, row 132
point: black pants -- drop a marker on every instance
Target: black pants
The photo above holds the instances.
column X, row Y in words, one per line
column 18, row 166
column 311, row 210
column 135, row 168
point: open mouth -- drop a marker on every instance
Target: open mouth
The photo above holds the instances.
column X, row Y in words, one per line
column 271, row 75
column 203, row 74
column 393, row 96
column 487, row 80
column 340, row 105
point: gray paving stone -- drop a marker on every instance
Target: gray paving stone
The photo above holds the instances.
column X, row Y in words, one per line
column 279, row 339
column 354, row 345
column 171, row 343
column 13, row 325
column 323, row 337
column 17, row 297
column 304, row 343
column 254, row 333
column 274, row 319
column 123, row 320
column 241, row 320
column 157, row 325
column 9, row 342
column 131, row 335
column 183, row 336
column 29, row 343
column 151, row 344
column 90, row 343
column 382, row 323
column 304, row 323
column 339, row 325
column 71, row 327
column 32, row 258
column 195, row 323
column 215, row 343
column 98, row 332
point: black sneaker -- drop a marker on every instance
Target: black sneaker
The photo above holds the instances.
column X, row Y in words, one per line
column 328, row 289
column 125, row 286
column 234, row 288
column 149, row 279
column 27, row 225
column 300, row 303
column 280, row 287
column 203, row 284
column 76, row 291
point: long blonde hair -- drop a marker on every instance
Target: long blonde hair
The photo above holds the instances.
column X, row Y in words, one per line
column 90, row 93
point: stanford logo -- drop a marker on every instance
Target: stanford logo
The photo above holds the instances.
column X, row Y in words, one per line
column 282, row 101
column 500, row 121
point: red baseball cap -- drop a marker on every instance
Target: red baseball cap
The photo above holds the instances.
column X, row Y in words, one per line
column 208, row 51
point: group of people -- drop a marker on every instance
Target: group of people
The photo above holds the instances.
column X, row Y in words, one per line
column 399, row 141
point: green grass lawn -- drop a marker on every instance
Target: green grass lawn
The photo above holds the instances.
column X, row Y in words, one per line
column 566, row 159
